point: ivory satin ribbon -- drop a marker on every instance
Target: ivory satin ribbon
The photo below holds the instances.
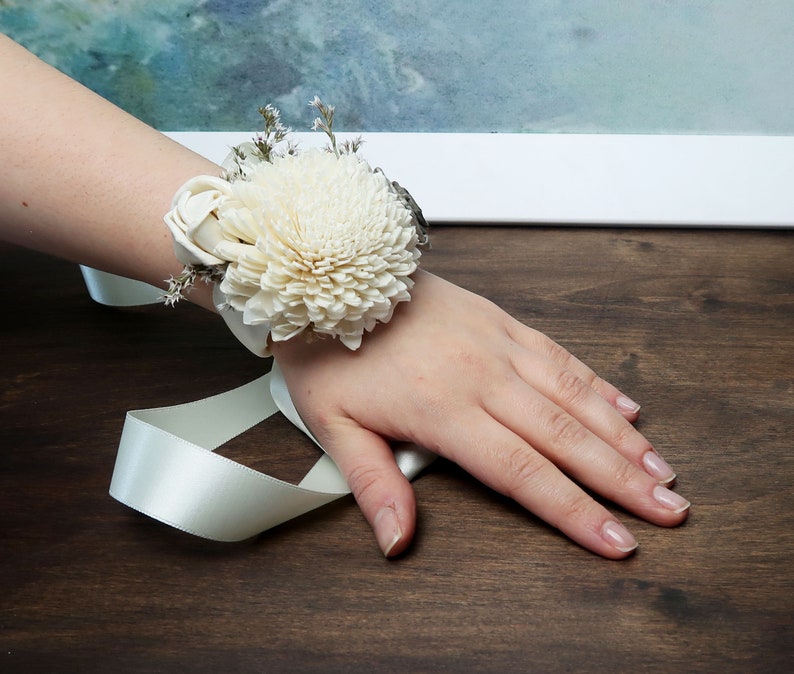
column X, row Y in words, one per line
column 166, row 466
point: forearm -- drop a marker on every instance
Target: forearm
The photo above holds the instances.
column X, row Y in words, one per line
column 84, row 180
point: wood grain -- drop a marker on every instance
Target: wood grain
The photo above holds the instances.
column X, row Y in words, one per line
column 696, row 325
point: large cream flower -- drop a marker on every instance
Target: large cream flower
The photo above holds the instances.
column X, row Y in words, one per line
column 312, row 239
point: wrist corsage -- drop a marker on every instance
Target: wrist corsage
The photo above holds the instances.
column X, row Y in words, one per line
column 314, row 242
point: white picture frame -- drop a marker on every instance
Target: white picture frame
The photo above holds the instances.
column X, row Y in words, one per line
column 576, row 179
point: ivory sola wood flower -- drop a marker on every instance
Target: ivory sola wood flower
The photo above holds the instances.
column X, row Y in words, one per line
column 315, row 241
column 329, row 244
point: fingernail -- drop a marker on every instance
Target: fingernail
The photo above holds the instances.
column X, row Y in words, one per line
column 626, row 404
column 618, row 537
column 387, row 529
column 657, row 467
column 670, row 500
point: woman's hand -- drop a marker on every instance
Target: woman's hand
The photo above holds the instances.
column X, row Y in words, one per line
column 455, row 374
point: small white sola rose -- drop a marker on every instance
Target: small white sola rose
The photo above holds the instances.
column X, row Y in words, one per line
column 299, row 241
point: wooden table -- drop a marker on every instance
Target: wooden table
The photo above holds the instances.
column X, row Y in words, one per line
column 697, row 325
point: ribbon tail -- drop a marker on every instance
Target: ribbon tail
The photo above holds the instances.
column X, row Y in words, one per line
column 118, row 291
column 166, row 466
column 167, row 469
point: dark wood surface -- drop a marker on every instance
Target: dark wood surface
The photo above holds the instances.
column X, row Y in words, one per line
column 696, row 325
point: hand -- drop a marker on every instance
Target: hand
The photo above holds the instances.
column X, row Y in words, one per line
column 455, row 374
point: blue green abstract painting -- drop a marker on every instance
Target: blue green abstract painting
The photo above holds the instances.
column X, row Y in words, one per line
column 548, row 66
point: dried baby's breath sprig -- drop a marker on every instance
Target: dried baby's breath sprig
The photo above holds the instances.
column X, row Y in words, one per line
column 351, row 146
column 234, row 170
column 262, row 147
column 325, row 123
column 179, row 286
column 274, row 133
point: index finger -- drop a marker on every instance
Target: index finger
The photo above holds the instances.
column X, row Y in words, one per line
column 505, row 462
column 538, row 342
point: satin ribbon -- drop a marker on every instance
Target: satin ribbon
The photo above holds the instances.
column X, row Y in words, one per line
column 167, row 468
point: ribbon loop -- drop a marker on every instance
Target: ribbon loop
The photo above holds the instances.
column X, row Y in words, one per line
column 166, row 466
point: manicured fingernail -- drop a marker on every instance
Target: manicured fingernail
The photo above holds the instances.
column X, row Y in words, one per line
column 387, row 529
column 626, row 404
column 657, row 467
column 618, row 537
column 670, row 500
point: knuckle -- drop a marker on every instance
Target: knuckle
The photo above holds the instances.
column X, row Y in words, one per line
column 577, row 509
column 624, row 476
column 626, row 436
column 573, row 390
column 362, row 480
column 523, row 467
column 595, row 382
column 558, row 353
column 470, row 362
column 564, row 430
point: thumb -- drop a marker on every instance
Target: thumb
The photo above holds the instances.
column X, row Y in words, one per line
column 383, row 493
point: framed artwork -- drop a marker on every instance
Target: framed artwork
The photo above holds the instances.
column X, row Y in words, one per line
column 650, row 112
